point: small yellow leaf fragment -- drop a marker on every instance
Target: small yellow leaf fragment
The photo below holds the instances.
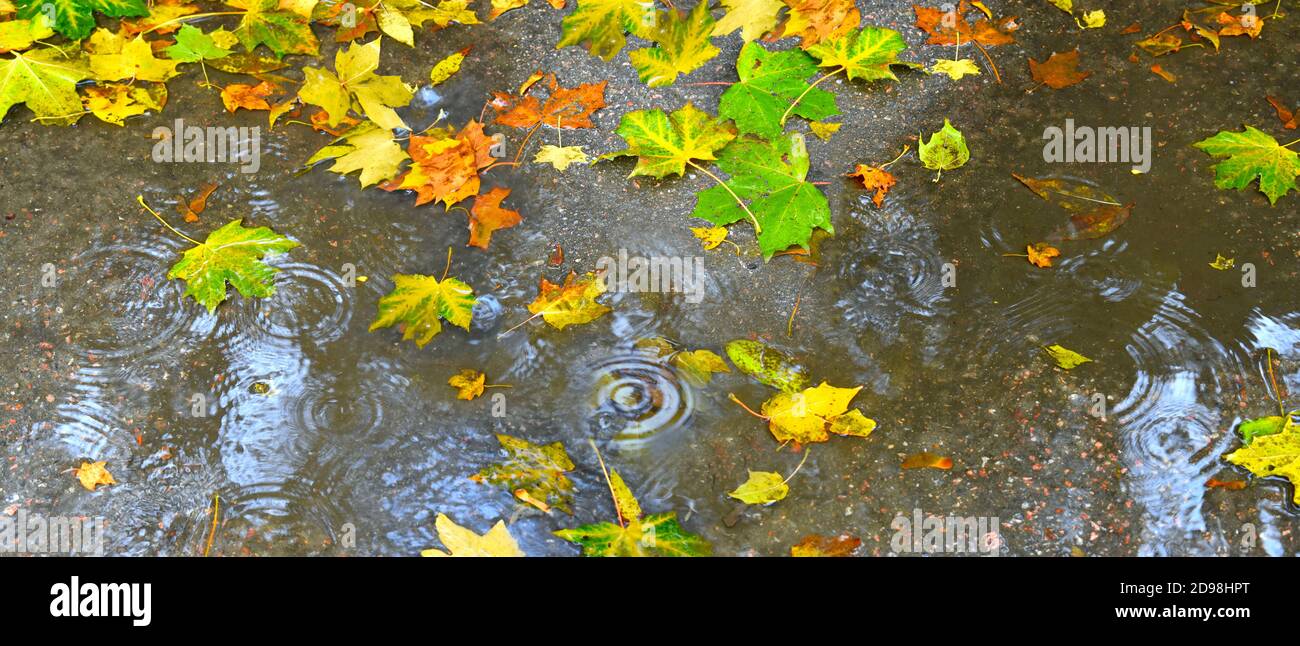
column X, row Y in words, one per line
column 447, row 66
column 1041, row 254
column 528, row 82
column 460, row 541
column 468, row 383
column 1091, row 19
column 710, row 237
column 1064, row 357
column 762, row 487
column 93, row 474
column 561, row 157
column 1221, row 263
column 824, row 130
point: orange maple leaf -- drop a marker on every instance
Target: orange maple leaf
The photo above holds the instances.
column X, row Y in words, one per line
column 1041, row 254
column 1243, row 25
column 564, row 108
column 487, row 216
column 1060, row 70
column 985, row 32
column 814, row 21
column 1287, row 116
column 445, row 167
column 874, row 178
column 249, row 97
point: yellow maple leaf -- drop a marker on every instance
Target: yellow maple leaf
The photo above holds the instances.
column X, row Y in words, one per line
column 92, row 474
column 955, row 69
column 460, row 541
column 561, row 157
column 710, row 237
column 468, row 383
column 811, row 415
column 572, row 303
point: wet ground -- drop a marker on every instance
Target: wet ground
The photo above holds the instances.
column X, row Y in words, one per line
column 360, row 436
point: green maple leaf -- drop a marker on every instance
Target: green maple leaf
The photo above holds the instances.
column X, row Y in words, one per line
column 683, row 46
column 356, row 80
column 769, row 83
column 283, row 32
column 367, row 148
column 601, row 25
column 192, row 46
column 46, row 81
column 1252, row 153
column 232, row 254
column 76, row 18
column 665, row 144
column 420, row 301
column 771, row 178
column 537, row 471
column 1273, row 455
column 866, row 54
column 635, row 534
column 945, row 150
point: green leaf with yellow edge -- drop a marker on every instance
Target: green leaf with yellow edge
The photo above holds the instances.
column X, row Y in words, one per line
column 232, row 254
column 46, row 81
column 420, row 302
column 114, row 58
column 572, row 303
column 22, row 33
column 769, row 83
column 866, row 54
column 1065, row 357
column 533, row 473
column 768, row 365
column 753, row 18
column 283, row 32
column 762, row 487
column 356, row 80
column 444, row 68
column 664, row 144
column 1273, row 455
column 367, row 148
column 771, row 178
column 601, row 25
column 945, row 150
column 114, row 102
column 815, row 413
column 1252, row 154
column 638, row 535
column 683, row 46
column 192, row 45
column 460, row 541
column 76, row 18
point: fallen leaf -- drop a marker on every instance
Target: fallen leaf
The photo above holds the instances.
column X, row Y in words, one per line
column 1064, row 357
column 192, row 45
column 283, row 32
column 114, row 102
column 1273, row 455
column 232, row 254
column 926, row 460
column 93, row 474
column 356, row 81
column 1161, row 44
column 769, row 82
column 866, row 54
column 945, row 150
column 571, row 303
column 637, row 534
column 815, row 21
column 501, row 6
column 367, row 148
column 249, row 97
column 534, row 473
column 1231, row 485
column 986, row 31
column 682, row 46
column 834, row 546
column 813, row 414
column 487, row 216
column 443, row 69
column 419, row 302
column 1041, row 254
column 710, row 237
column 468, row 383
column 1240, row 25
column 698, row 366
column 876, row 179
column 1284, row 114
column 664, row 144
column 1262, row 426
column 1091, row 19
column 1222, row 263
column 464, row 542
column 46, row 81
column 1060, row 70
column 824, row 130
column 1160, row 71
column 768, row 365
column 955, row 69
column 528, row 82
column 1252, row 154
column 754, row 18
column 561, row 157
column 1099, row 222
column 191, row 210
column 445, row 164
column 601, row 25
column 76, row 18
column 564, row 108
column 762, row 487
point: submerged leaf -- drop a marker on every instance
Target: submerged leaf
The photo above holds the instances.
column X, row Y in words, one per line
column 533, row 473
column 571, row 303
column 927, row 460
column 817, row 545
column 419, row 303
column 487, row 216
column 1060, row 70
column 93, row 474
column 768, row 365
column 638, row 535
column 1065, row 357
column 762, row 487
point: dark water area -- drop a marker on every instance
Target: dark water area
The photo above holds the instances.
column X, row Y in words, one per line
column 313, row 429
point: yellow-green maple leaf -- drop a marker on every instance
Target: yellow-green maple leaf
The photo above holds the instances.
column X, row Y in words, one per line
column 356, row 79
column 419, row 302
column 1273, row 455
column 601, row 24
column 367, row 148
column 533, row 473
column 683, row 46
column 232, row 254
column 865, row 54
column 635, row 534
column 46, row 81
column 1252, row 154
column 664, row 144
column 460, row 541
column 571, row 303
column 113, row 58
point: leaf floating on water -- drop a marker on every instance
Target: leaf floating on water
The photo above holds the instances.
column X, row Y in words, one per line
column 1041, row 254
column 874, row 178
column 1161, row 44
column 354, row 80
column 561, row 157
column 945, row 150
column 419, row 302
column 93, row 474
column 768, row 365
column 1222, row 263
column 487, row 216
column 986, row 31
column 754, row 18
column 367, row 148
column 927, row 460
column 1059, row 71
column 698, row 366
column 1284, row 114
column 571, row 303
column 762, row 487
column 460, row 541
column 1097, row 223
column 468, row 383
column 1230, row 485
column 445, row 164
column 249, row 97
column 955, row 69
column 866, row 54
column 232, row 254
column 443, row 69
column 1273, row 455
column 835, row 546
column 812, row 415
column 564, row 108
column 534, row 473
column 1252, row 154
column 1091, row 19
column 1064, row 357
column 637, row 535
column 1261, row 426
column 45, row 80
column 1160, row 71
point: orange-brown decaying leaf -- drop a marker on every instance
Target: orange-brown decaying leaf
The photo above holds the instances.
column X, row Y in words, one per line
column 445, row 167
column 564, row 108
column 815, row 21
column 1041, row 254
column 927, row 460
column 487, row 216
column 190, row 210
column 817, row 545
column 1061, row 70
column 985, row 31
column 876, row 179
column 249, row 97
column 1287, row 116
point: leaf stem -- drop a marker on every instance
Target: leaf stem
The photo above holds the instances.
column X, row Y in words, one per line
column 988, row 58
column 806, row 453
column 216, row 511
column 140, row 199
column 799, row 98
column 617, row 511
column 447, row 269
column 900, row 156
column 524, row 143
column 736, row 399
column 757, row 227
column 1286, row 145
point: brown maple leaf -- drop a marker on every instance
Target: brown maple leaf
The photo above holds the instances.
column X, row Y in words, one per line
column 1061, row 70
column 984, row 32
column 249, row 97
column 487, row 216
column 564, row 108
column 445, row 166
column 874, row 178
column 1287, row 116
column 190, row 209
column 814, row 21
column 818, row 545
